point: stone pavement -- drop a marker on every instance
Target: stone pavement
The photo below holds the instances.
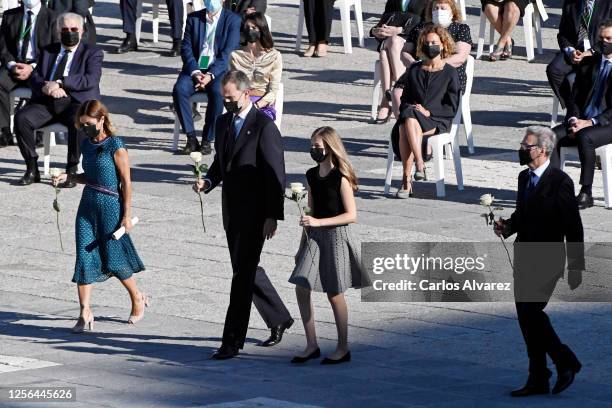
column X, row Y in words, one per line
column 405, row 354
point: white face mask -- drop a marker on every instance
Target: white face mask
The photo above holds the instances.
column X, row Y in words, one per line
column 30, row 4
column 442, row 17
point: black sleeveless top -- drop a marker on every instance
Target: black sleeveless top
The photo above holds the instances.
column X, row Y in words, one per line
column 326, row 197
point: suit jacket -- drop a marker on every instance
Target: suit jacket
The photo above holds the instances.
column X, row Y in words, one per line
column 227, row 39
column 83, row 81
column 80, row 7
column 570, row 22
column 586, row 75
column 10, row 30
column 550, row 215
column 253, row 172
column 240, row 6
column 415, row 6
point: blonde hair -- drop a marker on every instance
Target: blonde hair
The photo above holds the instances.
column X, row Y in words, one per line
column 95, row 109
column 448, row 45
column 452, row 5
column 333, row 143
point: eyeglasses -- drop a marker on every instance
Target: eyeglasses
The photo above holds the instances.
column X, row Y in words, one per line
column 73, row 29
column 526, row 146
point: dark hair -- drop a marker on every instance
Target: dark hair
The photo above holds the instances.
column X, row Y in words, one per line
column 605, row 24
column 238, row 78
column 448, row 45
column 95, row 109
column 265, row 37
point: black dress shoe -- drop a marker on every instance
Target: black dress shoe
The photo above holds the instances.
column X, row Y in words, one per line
column 344, row 359
column 206, row 148
column 30, row 176
column 129, row 44
column 565, row 378
column 175, row 51
column 585, row 201
column 3, row 140
column 276, row 334
column 531, row 388
column 67, row 184
column 191, row 146
column 311, row 356
column 225, row 352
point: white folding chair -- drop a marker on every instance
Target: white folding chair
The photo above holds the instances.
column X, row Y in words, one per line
column 461, row 4
column 278, row 105
column 605, row 154
column 464, row 105
column 16, row 94
column 533, row 18
column 345, row 18
column 554, row 114
column 49, row 132
column 9, row 4
column 269, row 21
column 376, row 90
column 196, row 5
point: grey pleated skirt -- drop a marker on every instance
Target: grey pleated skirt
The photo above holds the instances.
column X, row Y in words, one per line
column 329, row 260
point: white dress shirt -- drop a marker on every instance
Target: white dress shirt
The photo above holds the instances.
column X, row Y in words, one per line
column 240, row 118
column 68, row 63
column 540, row 170
column 31, row 54
column 208, row 48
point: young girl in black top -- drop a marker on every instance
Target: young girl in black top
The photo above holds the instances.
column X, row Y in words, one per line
column 329, row 258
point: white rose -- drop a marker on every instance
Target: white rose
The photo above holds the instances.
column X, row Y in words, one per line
column 196, row 156
column 486, row 199
column 296, row 188
column 55, row 172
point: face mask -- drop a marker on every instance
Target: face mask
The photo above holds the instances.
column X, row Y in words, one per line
column 252, row 36
column 442, row 17
column 213, row 5
column 30, row 4
column 232, row 106
column 91, row 131
column 524, row 157
column 70, row 38
column 605, row 47
column 431, row 51
column 318, row 154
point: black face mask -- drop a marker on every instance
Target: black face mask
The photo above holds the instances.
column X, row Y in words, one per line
column 252, row 36
column 524, row 157
column 91, row 131
column 605, row 47
column 318, row 154
column 232, row 106
column 70, row 38
column 431, row 51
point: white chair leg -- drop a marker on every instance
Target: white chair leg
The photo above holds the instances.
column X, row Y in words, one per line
column 466, row 116
column 389, row 174
column 438, row 159
column 481, row 35
column 278, row 105
column 12, row 113
column 457, row 163
column 300, row 27
column 359, row 20
column 376, row 90
column 46, row 152
column 138, row 25
column 537, row 24
column 156, row 22
column 491, row 38
column 528, row 27
column 555, row 112
column 177, row 132
column 562, row 157
column 345, row 19
column 462, row 10
column 605, row 154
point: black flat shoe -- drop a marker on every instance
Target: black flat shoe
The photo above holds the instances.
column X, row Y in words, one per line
column 206, row 148
column 584, row 201
column 565, row 378
column 175, row 51
column 530, row 389
column 29, row 177
column 276, row 334
column 191, row 146
column 225, row 352
column 311, row 356
column 129, row 44
column 344, row 359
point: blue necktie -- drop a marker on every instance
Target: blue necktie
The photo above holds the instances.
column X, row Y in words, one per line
column 237, row 126
column 533, row 181
column 594, row 107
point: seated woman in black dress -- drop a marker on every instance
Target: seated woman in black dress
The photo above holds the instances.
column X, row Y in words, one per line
column 429, row 102
column 503, row 16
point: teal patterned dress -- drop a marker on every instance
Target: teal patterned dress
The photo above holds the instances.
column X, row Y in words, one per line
column 98, row 255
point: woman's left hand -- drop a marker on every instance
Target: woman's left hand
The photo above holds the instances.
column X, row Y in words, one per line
column 308, row 221
column 261, row 104
column 126, row 222
column 422, row 109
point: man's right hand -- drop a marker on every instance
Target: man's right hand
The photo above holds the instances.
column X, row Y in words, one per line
column 500, row 227
column 576, row 57
column 201, row 185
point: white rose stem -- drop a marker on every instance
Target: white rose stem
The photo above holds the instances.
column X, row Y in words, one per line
column 121, row 231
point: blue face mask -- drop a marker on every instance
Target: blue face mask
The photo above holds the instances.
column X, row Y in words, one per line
column 213, row 5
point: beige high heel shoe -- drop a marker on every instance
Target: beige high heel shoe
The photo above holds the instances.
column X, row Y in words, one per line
column 83, row 324
column 133, row 319
column 309, row 52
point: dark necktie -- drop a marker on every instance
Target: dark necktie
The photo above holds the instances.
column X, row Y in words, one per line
column 59, row 70
column 26, row 36
column 585, row 20
column 231, row 136
column 531, row 184
column 594, row 107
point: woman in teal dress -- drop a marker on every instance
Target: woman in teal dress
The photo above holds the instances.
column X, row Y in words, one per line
column 105, row 207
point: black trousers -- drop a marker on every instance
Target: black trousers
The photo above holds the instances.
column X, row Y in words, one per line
column 36, row 115
column 250, row 284
column 587, row 140
column 558, row 73
column 7, row 84
column 175, row 13
column 318, row 15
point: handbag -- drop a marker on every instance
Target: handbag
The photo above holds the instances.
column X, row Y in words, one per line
column 399, row 19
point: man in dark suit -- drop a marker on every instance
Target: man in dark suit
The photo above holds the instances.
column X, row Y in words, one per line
column 210, row 37
column 549, row 231
column 588, row 123
column 128, row 15
column 80, row 7
column 249, row 160
column 243, row 7
column 66, row 75
column 578, row 31
column 24, row 32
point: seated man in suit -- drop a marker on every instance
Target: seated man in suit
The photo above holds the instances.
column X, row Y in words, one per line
column 210, row 37
column 66, row 75
column 24, row 32
column 128, row 15
column 589, row 111
column 577, row 36
column 80, row 7
column 244, row 7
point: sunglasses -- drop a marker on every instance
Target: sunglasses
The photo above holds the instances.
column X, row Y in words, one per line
column 526, row 146
column 67, row 29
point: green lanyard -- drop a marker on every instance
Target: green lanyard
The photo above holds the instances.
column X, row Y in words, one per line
column 25, row 30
